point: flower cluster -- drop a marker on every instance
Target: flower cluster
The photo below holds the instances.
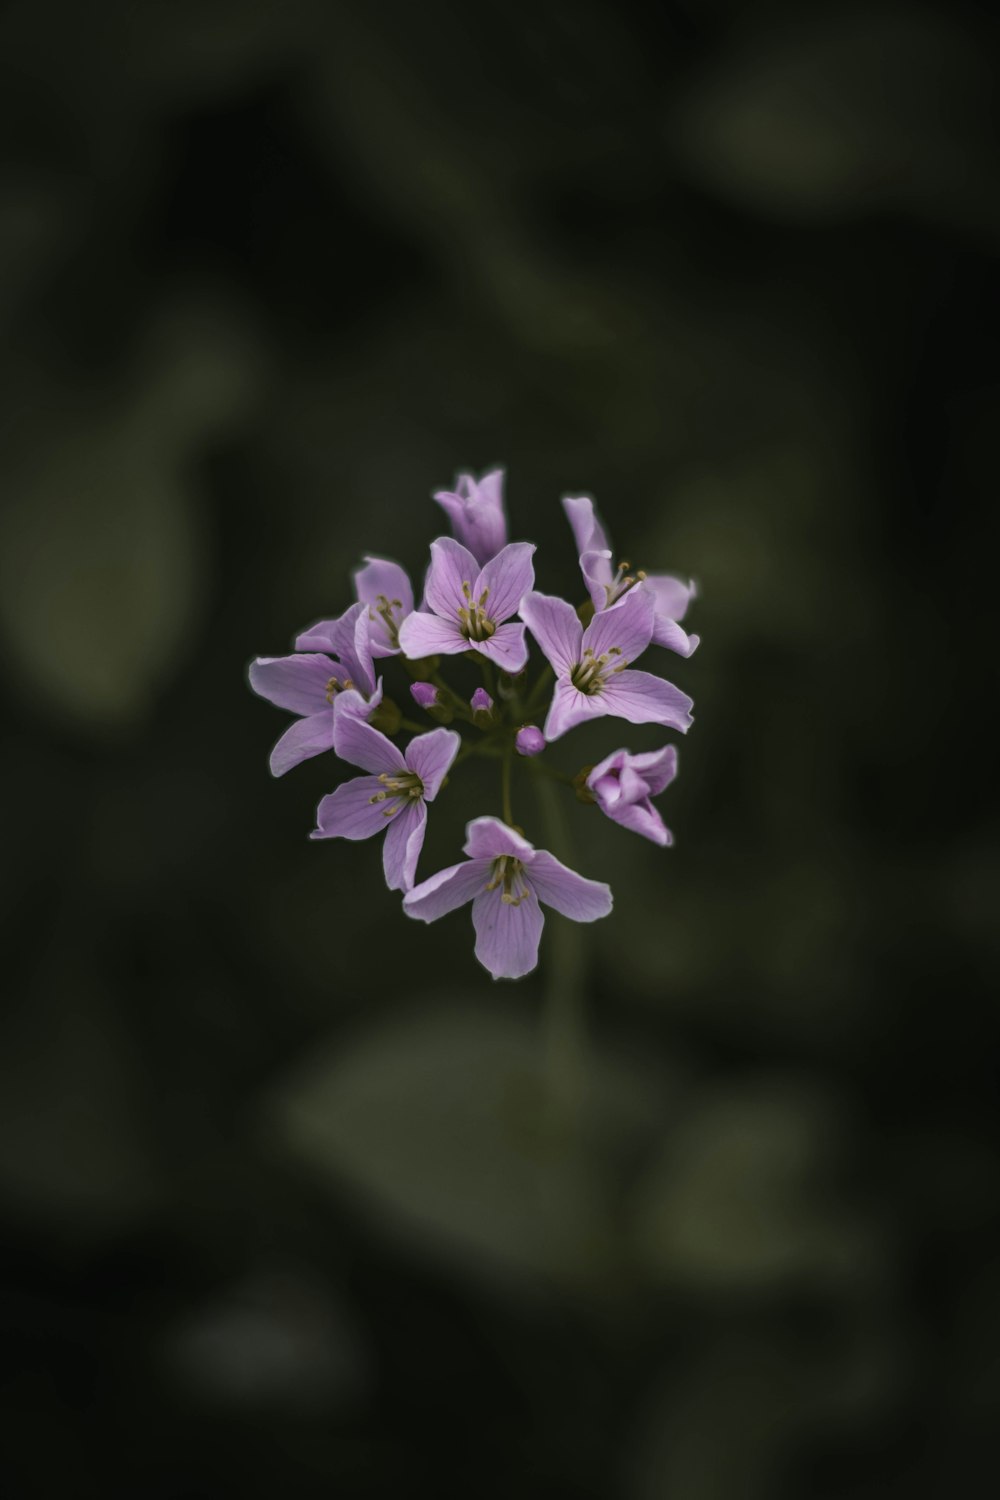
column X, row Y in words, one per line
column 479, row 602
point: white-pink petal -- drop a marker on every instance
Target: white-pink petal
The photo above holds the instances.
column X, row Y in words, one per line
column 573, row 895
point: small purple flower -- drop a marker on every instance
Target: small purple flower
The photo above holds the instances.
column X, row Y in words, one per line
column 475, row 510
column 391, row 798
column 505, row 878
column 424, row 693
column 319, row 688
column 591, row 665
column 385, row 588
column 623, row 784
column 469, row 605
column 529, row 740
column 608, row 586
column 481, row 702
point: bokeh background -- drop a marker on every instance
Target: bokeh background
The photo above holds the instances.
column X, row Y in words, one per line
column 294, row 1199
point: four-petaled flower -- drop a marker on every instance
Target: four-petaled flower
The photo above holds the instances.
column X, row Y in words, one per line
column 391, row 798
column 608, row 585
column 623, row 783
column 385, row 588
column 470, row 605
column 592, row 665
column 475, row 510
column 505, row 878
column 318, row 688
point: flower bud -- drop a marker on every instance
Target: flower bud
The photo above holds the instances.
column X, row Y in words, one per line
column 430, row 700
column 529, row 740
column 387, row 717
column 483, row 713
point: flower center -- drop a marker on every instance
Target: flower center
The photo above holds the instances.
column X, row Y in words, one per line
column 591, row 674
column 622, row 582
column 402, row 788
column 508, row 872
column 386, row 610
column 476, row 624
column 335, row 686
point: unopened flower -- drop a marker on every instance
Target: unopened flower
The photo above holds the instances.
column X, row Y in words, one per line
column 386, row 590
column 483, row 715
column 592, row 666
column 391, row 798
column 608, row 584
column 529, row 740
column 505, row 878
column 471, row 605
column 424, row 693
column 475, row 510
column 330, row 675
column 623, row 784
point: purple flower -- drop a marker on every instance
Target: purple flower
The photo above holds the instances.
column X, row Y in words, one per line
column 481, row 701
column 317, row 687
column 476, row 513
column 591, row 665
column 608, row 585
column 623, row 784
column 529, row 740
column 505, row 878
column 385, row 588
column 391, row 798
column 424, row 693
column 469, row 605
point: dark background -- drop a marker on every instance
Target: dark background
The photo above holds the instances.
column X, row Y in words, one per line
column 285, row 1209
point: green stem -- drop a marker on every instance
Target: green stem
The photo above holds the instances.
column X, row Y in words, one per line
column 508, row 814
column 563, row 1025
column 412, row 726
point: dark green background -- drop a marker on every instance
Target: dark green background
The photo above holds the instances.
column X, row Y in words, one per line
column 294, row 1199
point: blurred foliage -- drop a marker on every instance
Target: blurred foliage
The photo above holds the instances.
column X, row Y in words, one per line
column 294, row 1200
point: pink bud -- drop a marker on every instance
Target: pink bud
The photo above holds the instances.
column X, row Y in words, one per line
column 424, row 693
column 481, row 702
column 530, row 740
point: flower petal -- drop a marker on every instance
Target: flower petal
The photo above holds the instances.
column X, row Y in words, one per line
column 556, row 627
column 671, row 595
column 298, row 683
column 588, row 533
column 383, row 582
column 346, row 638
column 656, row 767
column 355, row 703
column 428, row 635
column 570, row 707
column 506, row 648
column 668, row 633
column 430, row 757
column 642, row 698
column 351, row 812
column 507, row 935
column 452, row 565
column 642, row 818
column 359, row 743
column 301, row 741
column 573, row 895
column 447, row 890
column 476, row 513
column 488, row 838
column 626, row 628
column 404, row 839
column 598, row 575
column 507, row 578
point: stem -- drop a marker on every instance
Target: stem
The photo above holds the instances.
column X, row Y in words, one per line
column 563, row 1027
column 412, row 726
column 508, row 815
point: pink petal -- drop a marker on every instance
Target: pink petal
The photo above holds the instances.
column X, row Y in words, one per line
column 627, row 628
column 382, row 577
column 642, row 698
column 556, row 628
column 358, row 743
column 404, row 840
column 346, row 638
column 447, row 890
column 507, row 578
column 671, row 595
column 657, row 768
column 429, row 635
column 430, row 757
column 506, row 648
column 588, row 533
column 350, row 812
column 642, row 818
column 301, row 741
column 355, row 703
column 507, row 936
column 452, row 565
column 570, row 707
column 668, row 633
column 598, row 574
column 488, row 838
column 298, row 683
column 567, row 892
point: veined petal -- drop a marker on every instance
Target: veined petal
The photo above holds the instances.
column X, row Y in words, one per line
column 506, row 648
column 507, row 935
column 383, row 586
column 447, row 890
column 627, row 628
column 671, row 595
column 404, row 839
column 598, row 575
column 430, row 756
column 667, row 632
column 507, row 578
column 298, row 683
column 357, row 742
column 556, row 628
column 352, row 811
column 318, row 637
column 301, row 741
column 476, row 513
column 488, row 838
column 570, row 707
column 428, row 635
column 452, row 565
column 642, row 698
column 567, row 892
column 657, row 768
column 356, row 704
column 588, row 533
column 642, row 818
column 346, row 638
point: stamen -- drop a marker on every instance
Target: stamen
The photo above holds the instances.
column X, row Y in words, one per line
column 472, row 617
